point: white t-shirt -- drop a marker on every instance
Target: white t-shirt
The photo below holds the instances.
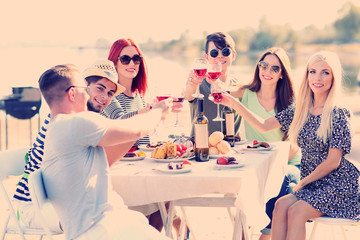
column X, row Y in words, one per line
column 76, row 170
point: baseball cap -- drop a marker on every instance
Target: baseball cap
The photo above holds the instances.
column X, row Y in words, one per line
column 106, row 69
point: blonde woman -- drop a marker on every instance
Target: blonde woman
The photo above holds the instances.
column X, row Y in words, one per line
column 329, row 183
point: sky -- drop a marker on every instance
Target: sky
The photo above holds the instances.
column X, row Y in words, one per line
column 81, row 22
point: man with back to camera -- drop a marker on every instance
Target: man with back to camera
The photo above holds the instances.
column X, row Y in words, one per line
column 75, row 165
column 101, row 78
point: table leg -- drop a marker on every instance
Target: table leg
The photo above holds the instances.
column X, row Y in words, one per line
column 163, row 212
column 240, row 226
column 169, row 221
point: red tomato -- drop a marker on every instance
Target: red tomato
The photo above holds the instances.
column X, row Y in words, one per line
column 186, row 162
column 255, row 142
column 178, row 148
column 222, row 161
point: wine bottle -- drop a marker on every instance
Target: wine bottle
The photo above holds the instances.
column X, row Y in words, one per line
column 201, row 134
column 228, row 126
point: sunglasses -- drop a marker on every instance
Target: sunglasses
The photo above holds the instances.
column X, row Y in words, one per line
column 125, row 59
column 225, row 52
column 66, row 90
column 273, row 69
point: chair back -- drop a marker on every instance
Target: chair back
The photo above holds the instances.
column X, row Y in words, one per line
column 37, row 189
column 12, row 162
column 39, row 196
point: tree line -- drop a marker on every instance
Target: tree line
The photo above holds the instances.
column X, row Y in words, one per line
column 344, row 30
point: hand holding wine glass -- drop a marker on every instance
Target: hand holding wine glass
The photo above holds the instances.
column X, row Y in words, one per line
column 226, row 99
column 217, row 90
column 199, row 68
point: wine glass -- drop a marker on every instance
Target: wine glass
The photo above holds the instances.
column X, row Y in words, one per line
column 214, row 71
column 178, row 97
column 199, row 68
column 217, row 86
column 157, row 135
column 217, row 89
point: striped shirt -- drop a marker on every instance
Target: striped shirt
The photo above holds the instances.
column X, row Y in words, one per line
column 123, row 107
column 35, row 155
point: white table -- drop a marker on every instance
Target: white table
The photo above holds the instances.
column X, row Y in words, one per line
column 254, row 184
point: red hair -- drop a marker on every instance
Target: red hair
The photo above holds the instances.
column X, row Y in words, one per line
column 140, row 81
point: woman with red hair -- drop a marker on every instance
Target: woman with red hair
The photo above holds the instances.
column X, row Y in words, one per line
column 132, row 71
column 132, row 74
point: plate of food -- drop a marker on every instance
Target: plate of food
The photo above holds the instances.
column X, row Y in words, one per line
column 134, row 156
column 175, row 168
column 258, row 146
column 168, row 160
column 148, row 147
column 227, row 163
column 240, row 141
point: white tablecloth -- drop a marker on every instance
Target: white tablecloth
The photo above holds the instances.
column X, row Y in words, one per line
column 260, row 179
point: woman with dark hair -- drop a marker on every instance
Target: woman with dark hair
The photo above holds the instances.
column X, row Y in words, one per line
column 270, row 92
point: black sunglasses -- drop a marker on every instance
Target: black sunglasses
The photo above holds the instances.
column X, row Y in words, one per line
column 75, row 87
column 225, row 52
column 273, row 69
column 125, row 59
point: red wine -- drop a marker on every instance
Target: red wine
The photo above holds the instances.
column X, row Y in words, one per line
column 200, row 72
column 217, row 96
column 178, row 99
column 214, row 75
column 201, row 134
column 160, row 98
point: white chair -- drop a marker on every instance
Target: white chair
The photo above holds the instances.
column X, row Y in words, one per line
column 353, row 157
column 337, row 222
column 12, row 163
column 39, row 197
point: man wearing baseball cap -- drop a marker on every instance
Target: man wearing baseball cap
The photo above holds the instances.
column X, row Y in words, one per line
column 101, row 78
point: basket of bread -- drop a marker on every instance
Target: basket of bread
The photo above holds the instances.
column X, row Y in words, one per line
column 217, row 144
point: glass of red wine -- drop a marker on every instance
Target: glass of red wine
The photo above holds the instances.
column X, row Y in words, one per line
column 178, row 98
column 200, row 68
column 217, row 86
column 214, row 71
column 162, row 97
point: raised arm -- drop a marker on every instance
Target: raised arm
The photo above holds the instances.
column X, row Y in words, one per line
column 193, row 82
column 262, row 125
column 116, row 152
column 127, row 130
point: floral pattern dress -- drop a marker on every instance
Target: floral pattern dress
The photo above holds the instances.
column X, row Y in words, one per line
column 337, row 194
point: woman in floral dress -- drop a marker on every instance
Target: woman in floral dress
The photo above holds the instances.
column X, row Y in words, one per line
column 329, row 183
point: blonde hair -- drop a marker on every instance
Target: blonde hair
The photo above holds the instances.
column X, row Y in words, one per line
column 305, row 98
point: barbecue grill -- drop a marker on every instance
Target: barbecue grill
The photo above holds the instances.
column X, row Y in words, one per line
column 23, row 103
